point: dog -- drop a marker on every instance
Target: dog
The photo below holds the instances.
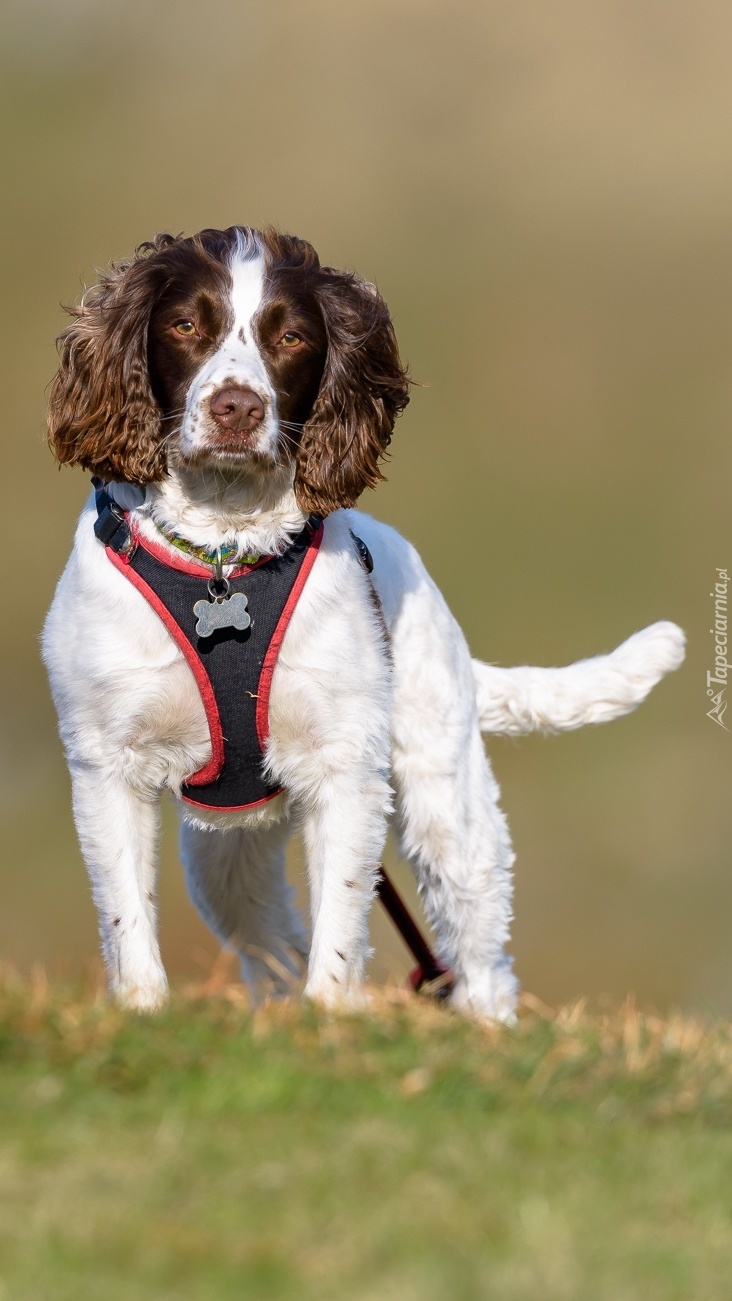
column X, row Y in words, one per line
column 232, row 399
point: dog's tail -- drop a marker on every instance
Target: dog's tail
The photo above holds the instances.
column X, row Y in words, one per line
column 514, row 701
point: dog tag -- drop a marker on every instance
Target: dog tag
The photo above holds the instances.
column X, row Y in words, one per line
column 222, row 611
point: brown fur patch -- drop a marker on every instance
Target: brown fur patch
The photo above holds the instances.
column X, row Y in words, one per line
column 124, row 372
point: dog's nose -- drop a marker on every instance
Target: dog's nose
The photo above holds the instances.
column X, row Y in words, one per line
column 237, row 408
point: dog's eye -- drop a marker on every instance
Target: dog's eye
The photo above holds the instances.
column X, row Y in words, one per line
column 186, row 329
column 291, row 340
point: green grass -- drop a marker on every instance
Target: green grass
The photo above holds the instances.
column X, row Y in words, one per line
column 215, row 1153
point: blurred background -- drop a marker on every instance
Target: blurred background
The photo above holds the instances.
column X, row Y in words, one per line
column 543, row 193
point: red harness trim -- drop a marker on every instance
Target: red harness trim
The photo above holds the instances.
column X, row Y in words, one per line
column 229, row 808
column 203, row 682
column 270, row 659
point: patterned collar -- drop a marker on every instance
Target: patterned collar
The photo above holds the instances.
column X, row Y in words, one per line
column 228, row 554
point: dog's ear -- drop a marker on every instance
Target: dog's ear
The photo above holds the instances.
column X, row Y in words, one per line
column 363, row 390
column 102, row 413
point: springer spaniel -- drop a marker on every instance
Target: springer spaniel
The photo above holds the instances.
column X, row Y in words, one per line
column 233, row 398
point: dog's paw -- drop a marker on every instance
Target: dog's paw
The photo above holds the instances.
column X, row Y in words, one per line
column 145, row 998
column 337, row 998
column 491, row 997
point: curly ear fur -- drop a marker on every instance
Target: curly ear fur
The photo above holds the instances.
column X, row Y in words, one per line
column 363, row 390
column 102, row 413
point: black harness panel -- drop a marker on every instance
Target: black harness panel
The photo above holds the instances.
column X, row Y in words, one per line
column 233, row 668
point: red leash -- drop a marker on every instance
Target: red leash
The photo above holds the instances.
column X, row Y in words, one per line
column 429, row 969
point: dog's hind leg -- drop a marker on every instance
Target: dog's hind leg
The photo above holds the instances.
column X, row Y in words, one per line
column 236, row 879
column 454, row 834
column 451, row 826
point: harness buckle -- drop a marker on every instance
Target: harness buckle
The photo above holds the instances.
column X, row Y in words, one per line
column 112, row 529
column 111, row 525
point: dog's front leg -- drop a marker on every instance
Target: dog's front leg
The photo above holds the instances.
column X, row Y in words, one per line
column 118, row 829
column 344, row 837
column 329, row 747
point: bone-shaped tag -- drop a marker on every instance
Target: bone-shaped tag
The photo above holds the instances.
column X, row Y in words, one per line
column 231, row 612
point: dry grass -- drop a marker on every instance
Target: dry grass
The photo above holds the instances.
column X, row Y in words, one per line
column 656, row 1066
column 217, row 1152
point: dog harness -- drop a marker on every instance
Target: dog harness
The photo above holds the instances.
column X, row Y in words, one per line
column 232, row 657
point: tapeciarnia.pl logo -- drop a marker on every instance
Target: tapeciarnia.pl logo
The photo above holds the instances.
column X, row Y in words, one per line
column 718, row 678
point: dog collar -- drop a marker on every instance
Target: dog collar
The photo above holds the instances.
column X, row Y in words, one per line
column 227, row 554
column 113, row 529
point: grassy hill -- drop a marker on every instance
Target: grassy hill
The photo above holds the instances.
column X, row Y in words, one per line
column 218, row 1153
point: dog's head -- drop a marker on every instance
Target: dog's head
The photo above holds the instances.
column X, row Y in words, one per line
column 233, row 348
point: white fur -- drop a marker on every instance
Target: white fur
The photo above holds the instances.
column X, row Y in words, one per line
column 133, row 724
column 375, row 703
column 237, row 360
column 519, row 700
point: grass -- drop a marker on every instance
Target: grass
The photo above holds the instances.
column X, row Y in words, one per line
column 213, row 1152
